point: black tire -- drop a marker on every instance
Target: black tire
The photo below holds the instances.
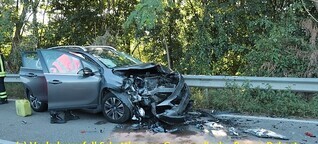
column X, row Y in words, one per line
column 114, row 109
column 36, row 104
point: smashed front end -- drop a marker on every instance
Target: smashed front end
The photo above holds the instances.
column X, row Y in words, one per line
column 156, row 91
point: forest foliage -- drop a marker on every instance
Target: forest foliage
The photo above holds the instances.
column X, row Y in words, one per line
column 222, row 37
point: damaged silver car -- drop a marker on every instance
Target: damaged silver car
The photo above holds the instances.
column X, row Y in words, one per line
column 102, row 79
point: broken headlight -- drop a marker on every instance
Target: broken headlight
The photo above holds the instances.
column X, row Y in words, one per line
column 131, row 89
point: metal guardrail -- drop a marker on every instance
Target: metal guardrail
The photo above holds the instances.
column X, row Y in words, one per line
column 276, row 83
column 12, row 78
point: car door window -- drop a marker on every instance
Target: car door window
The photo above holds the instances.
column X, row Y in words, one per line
column 88, row 59
column 61, row 62
column 90, row 66
column 31, row 60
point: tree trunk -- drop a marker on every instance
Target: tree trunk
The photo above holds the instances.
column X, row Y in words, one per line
column 316, row 4
column 168, row 53
column 14, row 59
column 35, row 4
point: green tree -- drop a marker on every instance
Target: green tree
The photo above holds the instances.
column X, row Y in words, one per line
column 6, row 29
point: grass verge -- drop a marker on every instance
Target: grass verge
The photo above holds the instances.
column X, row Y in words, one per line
column 258, row 101
column 14, row 90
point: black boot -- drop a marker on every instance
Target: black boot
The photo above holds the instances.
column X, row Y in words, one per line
column 3, row 100
column 70, row 116
column 55, row 118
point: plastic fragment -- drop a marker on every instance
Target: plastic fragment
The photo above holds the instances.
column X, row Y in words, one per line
column 218, row 133
column 24, row 122
column 84, row 131
column 213, row 125
column 206, row 131
column 194, row 113
column 119, row 126
column 233, row 131
column 309, row 134
column 158, row 129
column 199, row 126
column 263, row 133
column 134, row 118
column 172, row 130
column 135, row 126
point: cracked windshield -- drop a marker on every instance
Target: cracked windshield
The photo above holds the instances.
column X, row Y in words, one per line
column 112, row 58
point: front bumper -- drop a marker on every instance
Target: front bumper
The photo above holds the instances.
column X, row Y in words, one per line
column 172, row 109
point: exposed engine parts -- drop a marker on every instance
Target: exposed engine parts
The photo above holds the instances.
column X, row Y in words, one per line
column 147, row 90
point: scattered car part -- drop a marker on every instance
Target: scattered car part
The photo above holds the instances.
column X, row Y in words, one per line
column 263, row 133
column 233, row 131
column 219, row 133
column 214, row 125
column 309, row 134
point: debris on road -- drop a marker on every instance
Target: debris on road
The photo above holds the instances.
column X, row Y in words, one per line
column 84, row 131
column 199, row 126
column 233, row 132
column 101, row 122
column 206, row 131
column 120, row 126
column 194, row 113
column 151, row 125
column 219, row 133
column 309, row 134
column 205, row 123
column 263, row 133
column 157, row 128
column 24, row 122
column 214, row 125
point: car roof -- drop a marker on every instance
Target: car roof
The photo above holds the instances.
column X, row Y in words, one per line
column 81, row 48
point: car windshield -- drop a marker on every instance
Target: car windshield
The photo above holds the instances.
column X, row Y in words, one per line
column 113, row 58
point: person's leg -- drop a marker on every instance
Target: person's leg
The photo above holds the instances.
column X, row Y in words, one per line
column 55, row 118
column 3, row 93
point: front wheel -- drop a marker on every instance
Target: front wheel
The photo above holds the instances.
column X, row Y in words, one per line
column 36, row 104
column 114, row 109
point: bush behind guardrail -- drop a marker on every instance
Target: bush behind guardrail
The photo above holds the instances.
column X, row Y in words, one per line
column 257, row 101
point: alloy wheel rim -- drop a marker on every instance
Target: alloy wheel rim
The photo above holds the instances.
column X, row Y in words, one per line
column 35, row 103
column 114, row 108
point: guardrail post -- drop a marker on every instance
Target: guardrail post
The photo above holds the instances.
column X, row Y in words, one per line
column 206, row 95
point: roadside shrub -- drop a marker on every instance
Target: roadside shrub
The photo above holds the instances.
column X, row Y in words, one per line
column 276, row 103
column 14, row 90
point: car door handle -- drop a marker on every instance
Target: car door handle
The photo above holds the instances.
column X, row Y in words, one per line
column 31, row 75
column 55, row 82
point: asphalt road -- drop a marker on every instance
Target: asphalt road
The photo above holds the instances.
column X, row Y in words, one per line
column 94, row 129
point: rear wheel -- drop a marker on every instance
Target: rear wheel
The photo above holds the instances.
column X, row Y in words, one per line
column 114, row 109
column 36, row 104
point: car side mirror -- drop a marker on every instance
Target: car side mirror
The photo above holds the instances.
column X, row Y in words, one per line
column 86, row 71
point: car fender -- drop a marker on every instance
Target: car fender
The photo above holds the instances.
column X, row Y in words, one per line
column 124, row 97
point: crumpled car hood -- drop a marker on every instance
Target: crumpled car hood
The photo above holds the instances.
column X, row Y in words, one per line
column 149, row 67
